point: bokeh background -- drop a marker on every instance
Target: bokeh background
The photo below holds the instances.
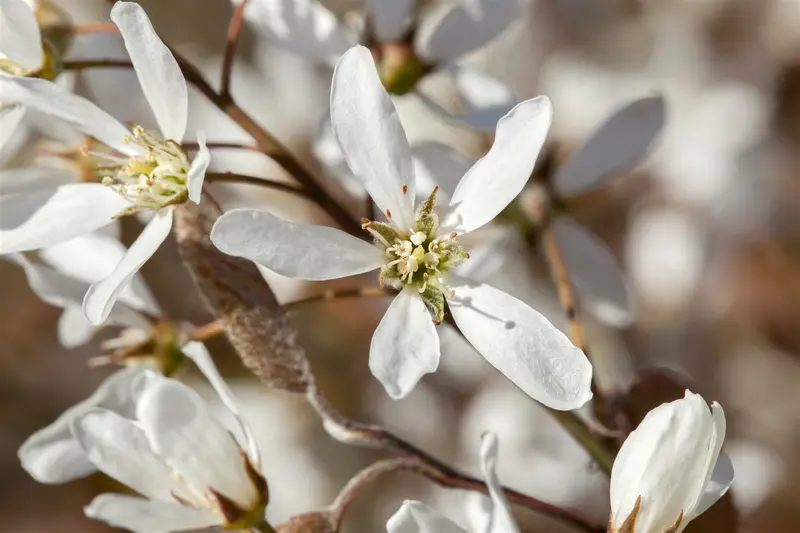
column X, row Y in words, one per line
column 707, row 230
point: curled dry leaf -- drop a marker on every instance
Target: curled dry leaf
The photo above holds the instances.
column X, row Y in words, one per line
column 234, row 289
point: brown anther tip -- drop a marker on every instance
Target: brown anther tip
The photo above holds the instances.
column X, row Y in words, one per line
column 365, row 221
column 436, row 189
column 452, row 294
column 405, row 189
column 388, row 214
column 453, row 235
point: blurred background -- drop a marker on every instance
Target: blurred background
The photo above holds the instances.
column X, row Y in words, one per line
column 706, row 230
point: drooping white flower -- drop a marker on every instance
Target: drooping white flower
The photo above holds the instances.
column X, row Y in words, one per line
column 416, row 517
column 142, row 170
column 417, row 249
column 309, row 29
column 157, row 436
column 616, row 146
column 670, row 469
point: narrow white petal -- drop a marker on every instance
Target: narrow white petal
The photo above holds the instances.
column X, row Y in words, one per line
column 416, row 517
column 20, row 40
column 51, row 455
column 159, row 74
column 119, row 448
column 436, row 164
column 665, row 461
column 617, row 145
column 102, row 295
column 192, row 440
column 73, row 328
column 10, row 117
column 197, row 172
column 58, row 103
column 30, row 179
column 522, row 344
column 305, row 27
column 720, row 468
column 197, row 352
column 293, row 250
column 29, row 221
column 405, row 346
column 500, row 175
column 502, row 521
column 372, row 139
column 595, row 273
column 94, row 256
column 390, row 18
column 468, row 25
column 141, row 515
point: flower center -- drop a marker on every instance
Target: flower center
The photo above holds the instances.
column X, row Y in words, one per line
column 152, row 180
column 419, row 256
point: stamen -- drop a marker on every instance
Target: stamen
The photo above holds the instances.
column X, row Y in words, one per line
column 405, row 189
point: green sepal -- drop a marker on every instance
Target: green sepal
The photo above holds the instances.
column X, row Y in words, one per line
column 426, row 208
column 455, row 255
column 434, row 301
column 390, row 277
column 383, row 229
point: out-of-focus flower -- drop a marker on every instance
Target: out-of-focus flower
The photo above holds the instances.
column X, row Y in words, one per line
column 670, row 469
column 309, row 29
column 417, row 250
column 149, row 171
column 157, row 436
column 414, row 516
column 20, row 40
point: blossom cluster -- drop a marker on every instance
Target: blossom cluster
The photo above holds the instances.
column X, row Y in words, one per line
column 434, row 227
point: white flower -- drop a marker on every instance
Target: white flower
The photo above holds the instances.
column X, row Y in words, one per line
column 64, row 276
column 157, row 436
column 514, row 338
column 613, row 148
column 20, row 40
column 670, row 469
column 144, row 170
column 416, row 517
column 309, row 29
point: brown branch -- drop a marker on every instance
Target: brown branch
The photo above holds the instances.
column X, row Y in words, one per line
column 192, row 145
column 232, row 177
column 228, row 56
column 80, row 64
column 351, row 432
column 84, row 27
column 340, row 294
column 566, row 293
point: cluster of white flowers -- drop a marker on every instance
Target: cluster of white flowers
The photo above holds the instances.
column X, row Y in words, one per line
column 154, row 433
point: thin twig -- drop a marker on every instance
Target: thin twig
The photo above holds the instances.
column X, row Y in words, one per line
column 340, row 294
column 192, row 145
column 207, row 331
column 228, row 56
column 84, row 27
column 80, row 64
column 232, row 177
column 351, row 432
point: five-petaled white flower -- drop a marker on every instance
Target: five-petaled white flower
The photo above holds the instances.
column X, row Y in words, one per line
column 157, row 436
column 142, row 170
column 417, row 249
column 440, row 38
column 416, row 517
column 670, row 469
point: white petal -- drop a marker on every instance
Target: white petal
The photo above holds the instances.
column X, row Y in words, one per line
column 304, row 27
column 466, row 26
column 665, row 461
column 595, row 273
column 436, row 164
column 73, row 328
column 20, row 40
column 500, row 175
column 405, row 346
column 119, row 448
column 94, row 256
column 502, row 520
column 416, row 517
column 102, row 295
column 197, row 172
column 390, row 18
column 191, row 439
column 56, row 102
column 372, row 139
column 522, row 344
column 51, row 455
column 293, row 250
column 617, row 145
column 30, row 179
column 159, row 74
column 141, row 515
column 198, row 353
column 720, row 468
column 30, row 221
column 10, row 117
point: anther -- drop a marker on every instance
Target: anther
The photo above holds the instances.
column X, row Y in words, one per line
column 405, row 189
